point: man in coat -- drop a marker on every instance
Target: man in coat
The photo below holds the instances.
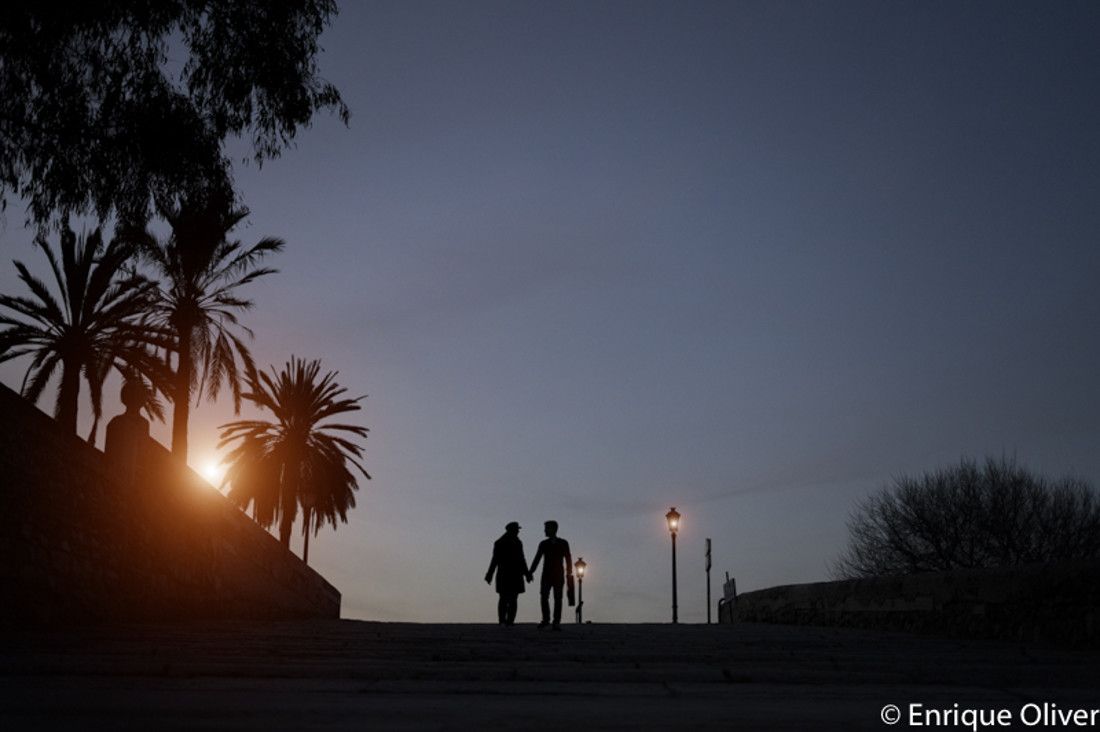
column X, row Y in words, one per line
column 558, row 566
column 510, row 566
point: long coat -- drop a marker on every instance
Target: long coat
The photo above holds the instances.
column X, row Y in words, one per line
column 510, row 565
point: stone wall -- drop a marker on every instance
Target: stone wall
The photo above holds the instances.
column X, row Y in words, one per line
column 1055, row 603
column 82, row 540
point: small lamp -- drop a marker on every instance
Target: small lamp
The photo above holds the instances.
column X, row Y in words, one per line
column 673, row 520
column 580, row 566
column 673, row 526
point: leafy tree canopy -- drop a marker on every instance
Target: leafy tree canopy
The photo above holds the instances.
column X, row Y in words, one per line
column 118, row 106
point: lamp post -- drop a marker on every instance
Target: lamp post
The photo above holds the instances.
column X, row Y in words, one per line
column 580, row 566
column 673, row 526
column 308, row 499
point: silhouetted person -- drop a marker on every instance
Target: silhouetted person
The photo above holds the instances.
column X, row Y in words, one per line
column 127, row 432
column 510, row 566
column 558, row 565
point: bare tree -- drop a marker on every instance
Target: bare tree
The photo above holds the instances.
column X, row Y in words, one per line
column 994, row 514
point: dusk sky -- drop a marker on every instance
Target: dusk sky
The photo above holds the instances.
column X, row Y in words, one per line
column 591, row 260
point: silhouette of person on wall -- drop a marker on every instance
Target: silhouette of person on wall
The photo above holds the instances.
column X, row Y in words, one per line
column 557, row 566
column 127, row 432
column 510, row 566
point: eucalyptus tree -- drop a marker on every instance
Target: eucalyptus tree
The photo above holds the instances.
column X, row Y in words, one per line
column 300, row 459
column 91, row 321
column 118, row 106
column 201, row 272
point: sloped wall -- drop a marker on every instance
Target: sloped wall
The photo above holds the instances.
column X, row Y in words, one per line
column 81, row 542
column 1057, row 603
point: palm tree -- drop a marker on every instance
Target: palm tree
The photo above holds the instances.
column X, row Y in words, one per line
column 96, row 323
column 299, row 459
column 201, row 272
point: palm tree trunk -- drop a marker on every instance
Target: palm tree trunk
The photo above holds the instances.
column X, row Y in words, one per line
column 289, row 498
column 181, row 398
column 68, row 396
column 286, row 524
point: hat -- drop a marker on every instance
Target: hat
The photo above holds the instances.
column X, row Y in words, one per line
column 513, row 525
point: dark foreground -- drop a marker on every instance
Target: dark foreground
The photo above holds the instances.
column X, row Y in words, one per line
column 362, row 675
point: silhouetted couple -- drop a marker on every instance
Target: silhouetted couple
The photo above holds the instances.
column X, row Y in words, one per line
column 511, row 569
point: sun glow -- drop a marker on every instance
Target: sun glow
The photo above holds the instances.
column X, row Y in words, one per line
column 213, row 472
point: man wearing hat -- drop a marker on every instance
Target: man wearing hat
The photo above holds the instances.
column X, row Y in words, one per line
column 510, row 566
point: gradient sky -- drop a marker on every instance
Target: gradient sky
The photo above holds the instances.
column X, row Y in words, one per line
column 590, row 260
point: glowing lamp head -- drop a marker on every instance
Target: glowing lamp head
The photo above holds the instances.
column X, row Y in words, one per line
column 580, row 566
column 673, row 520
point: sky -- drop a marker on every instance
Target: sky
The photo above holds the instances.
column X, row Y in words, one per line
column 754, row 260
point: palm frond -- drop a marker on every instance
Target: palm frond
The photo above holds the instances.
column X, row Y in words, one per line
column 311, row 458
column 93, row 319
column 200, row 272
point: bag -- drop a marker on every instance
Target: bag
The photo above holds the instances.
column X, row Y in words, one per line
column 569, row 591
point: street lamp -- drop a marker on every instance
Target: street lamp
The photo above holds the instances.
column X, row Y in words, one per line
column 580, row 566
column 308, row 499
column 673, row 526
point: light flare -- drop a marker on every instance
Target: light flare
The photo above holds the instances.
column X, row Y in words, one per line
column 212, row 472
